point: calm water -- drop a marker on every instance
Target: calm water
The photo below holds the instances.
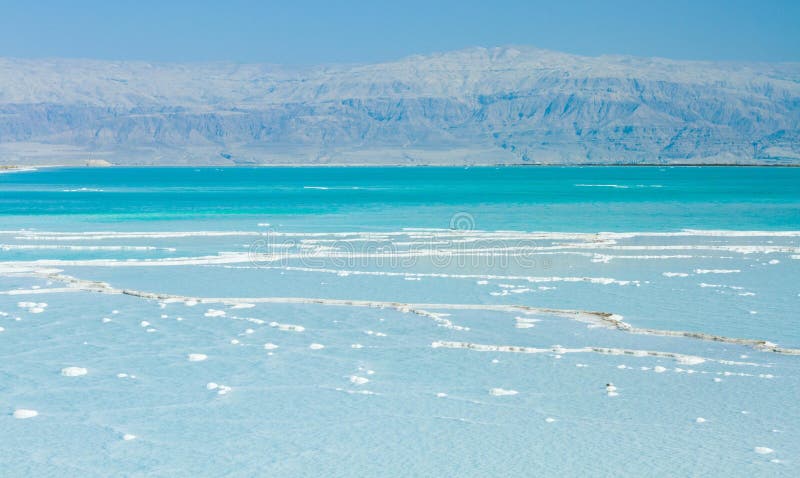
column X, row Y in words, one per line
column 524, row 198
column 400, row 322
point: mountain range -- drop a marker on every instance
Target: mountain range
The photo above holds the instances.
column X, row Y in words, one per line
column 505, row 105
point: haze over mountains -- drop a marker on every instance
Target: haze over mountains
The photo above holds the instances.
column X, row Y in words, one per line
column 476, row 106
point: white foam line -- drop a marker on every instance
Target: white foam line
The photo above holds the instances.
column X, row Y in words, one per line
column 223, row 258
column 419, row 232
column 51, row 290
column 101, row 235
column 603, row 319
column 23, row 247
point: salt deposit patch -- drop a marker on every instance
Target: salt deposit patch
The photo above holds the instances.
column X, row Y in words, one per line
column 33, row 307
column 287, row 327
column 23, row 413
column 717, row 271
column 762, row 450
column 316, row 346
column 270, row 346
column 674, row 274
column 73, row 371
column 197, row 357
column 243, row 305
column 214, row 313
column 356, row 380
column 129, row 437
column 525, row 323
column 502, row 392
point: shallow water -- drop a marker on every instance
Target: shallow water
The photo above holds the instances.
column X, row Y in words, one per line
column 429, row 295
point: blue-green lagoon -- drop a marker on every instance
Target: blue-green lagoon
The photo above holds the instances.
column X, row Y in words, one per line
column 530, row 321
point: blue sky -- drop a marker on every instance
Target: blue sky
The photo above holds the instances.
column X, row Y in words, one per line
column 307, row 32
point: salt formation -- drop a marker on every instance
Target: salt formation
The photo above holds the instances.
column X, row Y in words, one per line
column 23, row 413
column 73, row 371
column 501, row 392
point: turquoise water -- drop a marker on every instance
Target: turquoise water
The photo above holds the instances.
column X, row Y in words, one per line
column 400, row 321
column 526, row 198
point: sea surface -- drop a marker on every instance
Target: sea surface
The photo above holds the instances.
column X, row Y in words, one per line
column 528, row 321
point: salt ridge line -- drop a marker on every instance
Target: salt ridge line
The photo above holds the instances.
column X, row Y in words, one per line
column 683, row 359
column 591, row 245
column 604, row 319
column 248, row 257
column 251, row 257
column 532, row 279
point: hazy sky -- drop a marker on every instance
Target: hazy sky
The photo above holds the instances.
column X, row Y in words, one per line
column 305, row 32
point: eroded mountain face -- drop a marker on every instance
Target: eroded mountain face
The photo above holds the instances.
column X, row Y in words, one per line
column 502, row 105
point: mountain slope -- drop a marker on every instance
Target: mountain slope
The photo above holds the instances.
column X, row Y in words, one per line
column 500, row 105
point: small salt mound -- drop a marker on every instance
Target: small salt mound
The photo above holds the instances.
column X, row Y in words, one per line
column 287, row 327
column 211, row 386
column 482, row 282
column 214, row 313
column 441, row 394
column 355, row 379
column 700, row 420
column 190, row 303
column 234, row 342
column 270, row 346
column 674, row 274
column 144, row 323
column 689, row 360
column 73, row 371
column 356, row 346
column 501, row 392
column 249, row 331
column 122, row 375
column 316, row 346
column 223, row 390
column 525, row 323
column 375, row 334
column 197, row 357
column 717, row 379
column 115, row 312
column 106, row 320
column 23, row 413
column 243, row 306
column 762, row 450
column 549, row 419
column 2, row 329
column 659, row 369
column 128, row 437
column 774, row 261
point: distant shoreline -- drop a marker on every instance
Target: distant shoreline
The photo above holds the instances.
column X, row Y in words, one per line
column 34, row 167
